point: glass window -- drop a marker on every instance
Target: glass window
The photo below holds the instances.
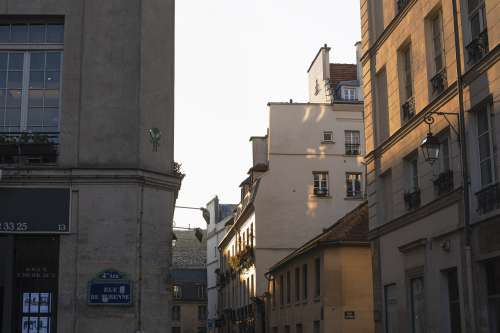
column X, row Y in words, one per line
column 454, row 300
column 304, row 280
column 317, row 279
column 177, row 291
column 282, row 291
column 411, row 172
column 176, row 312
column 353, row 185
column 298, row 328
column 327, row 136
column 349, row 94
column 444, row 154
column 297, row 284
column 417, row 305
column 202, row 312
column 493, row 287
column 352, row 142
column 273, row 284
column 390, row 307
column 320, row 183
column 316, row 326
column 437, row 42
column 288, row 287
column 485, row 146
column 406, row 71
column 477, row 18
column 32, row 33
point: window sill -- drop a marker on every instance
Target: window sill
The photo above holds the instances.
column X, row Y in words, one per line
column 327, row 142
column 360, row 198
column 317, row 299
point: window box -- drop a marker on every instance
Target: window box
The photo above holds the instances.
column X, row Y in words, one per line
column 402, row 4
column 408, row 109
column 438, row 82
column 478, row 47
column 27, row 147
column 444, row 182
column 488, row 198
column 412, row 199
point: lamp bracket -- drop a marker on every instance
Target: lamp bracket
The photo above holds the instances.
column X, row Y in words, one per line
column 429, row 119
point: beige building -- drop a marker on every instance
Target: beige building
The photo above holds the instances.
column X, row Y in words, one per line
column 432, row 272
column 326, row 284
column 307, row 171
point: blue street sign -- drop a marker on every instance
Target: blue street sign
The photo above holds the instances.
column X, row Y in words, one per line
column 109, row 288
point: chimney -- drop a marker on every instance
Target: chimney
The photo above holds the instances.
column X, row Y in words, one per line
column 358, row 63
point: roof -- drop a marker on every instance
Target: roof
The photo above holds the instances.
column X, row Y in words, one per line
column 342, row 72
column 325, row 47
column 188, row 251
column 198, row 275
column 352, row 229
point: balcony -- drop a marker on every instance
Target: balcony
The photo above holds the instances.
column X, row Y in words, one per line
column 444, row 183
column 29, row 148
column 402, row 4
column 439, row 83
column 408, row 109
column 477, row 48
column 412, row 199
column 243, row 260
column 352, row 149
column 488, row 199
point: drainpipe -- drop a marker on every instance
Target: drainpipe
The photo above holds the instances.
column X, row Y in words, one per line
column 465, row 174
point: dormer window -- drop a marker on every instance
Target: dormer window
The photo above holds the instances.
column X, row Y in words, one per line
column 328, row 136
column 349, row 94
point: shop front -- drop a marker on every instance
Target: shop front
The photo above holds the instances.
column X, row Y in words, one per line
column 31, row 222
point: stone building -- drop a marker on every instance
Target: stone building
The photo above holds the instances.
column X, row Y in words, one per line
column 220, row 215
column 307, row 171
column 88, row 183
column 326, row 284
column 189, row 281
column 436, row 258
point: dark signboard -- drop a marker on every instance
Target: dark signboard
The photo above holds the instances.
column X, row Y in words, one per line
column 34, row 210
column 349, row 315
column 110, row 288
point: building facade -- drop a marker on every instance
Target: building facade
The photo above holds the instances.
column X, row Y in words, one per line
column 189, row 281
column 435, row 270
column 326, row 284
column 88, row 183
column 220, row 215
column 307, row 171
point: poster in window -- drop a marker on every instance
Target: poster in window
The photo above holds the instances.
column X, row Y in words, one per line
column 26, row 302
column 43, row 325
column 34, row 303
column 45, row 302
column 30, row 324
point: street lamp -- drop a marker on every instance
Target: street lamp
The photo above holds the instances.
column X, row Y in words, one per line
column 204, row 212
column 430, row 145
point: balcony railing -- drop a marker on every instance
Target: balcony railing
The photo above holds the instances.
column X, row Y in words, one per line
column 352, row 149
column 488, row 199
column 408, row 109
column 402, row 4
column 444, row 182
column 439, row 82
column 478, row 47
column 320, row 192
column 412, row 199
column 28, row 148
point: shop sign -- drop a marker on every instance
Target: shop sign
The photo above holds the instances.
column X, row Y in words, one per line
column 349, row 315
column 34, row 210
column 110, row 287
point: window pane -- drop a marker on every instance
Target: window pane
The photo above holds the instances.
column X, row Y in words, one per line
column 417, row 305
column 36, row 79
column 2, row 99
column 475, row 25
column 35, row 98
column 52, row 98
column 3, row 79
column 52, row 80
column 37, row 33
column 484, row 147
column 37, row 60
column 15, row 80
column 13, row 116
column 482, row 121
column 3, row 60
column 4, row 33
column 19, row 33
column 16, row 61
column 486, row 175
column 55, row 33
column 14, row 98
column 35, row 118
column 53, row 60
column 50, row 117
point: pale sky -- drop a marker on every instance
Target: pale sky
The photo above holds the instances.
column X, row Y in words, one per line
column 232, row 58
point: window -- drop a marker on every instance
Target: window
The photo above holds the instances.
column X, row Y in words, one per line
column 304, row 280
column 437, row 43
column 493, row 287
column 287, row 328
column 288, row 287
column 477, row 17
column 273, row 284
column 177, row 291
column 353, row 185
column 176, row 312
column 444, row 152
column 202, row 329
column 176, row 329
column 406, row 72
column 453, row 300
column 417, row 305
column 298, row 328
column 201, row 291
column 252, row 283
column 349, row 94
column 411, row 172
column 381, row 113
column 316, row 326
column 384, row 197
column 282, row 291
column 390, row 308
column 485, row 146
column 30, row 77
column 275, row 329
column 352, row 142
column 328, row 136
column 202, row 312
column 320, row 183
column 317, row 274
column 297, row 284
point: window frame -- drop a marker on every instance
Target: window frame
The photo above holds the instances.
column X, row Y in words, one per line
column 349, row 94
column 297, row 284
column 351, row 185
column 436, row 22
column 304, row 282
column 321, row 186
column 176, row 313
column 480, row 11
column 317, row 277
column 486, row 108
column 325, row 139
column 352, row 142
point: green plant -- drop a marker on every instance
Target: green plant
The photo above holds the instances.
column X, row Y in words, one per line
column 40, row 138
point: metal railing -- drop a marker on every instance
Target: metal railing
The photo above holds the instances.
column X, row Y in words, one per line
column 412, row 199
column 408, row 108
column 477, row 48
column 439, row 82
column 444, row 183
column 352, row 149
column 29, row 148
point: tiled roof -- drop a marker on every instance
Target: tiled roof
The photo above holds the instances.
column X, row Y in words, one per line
column 188, row 251
column 342, row 72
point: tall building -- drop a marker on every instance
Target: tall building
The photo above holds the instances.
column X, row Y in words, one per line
column 436, row 258
column 307, row 172
column 189, row 281
column 220, row 215
column 88, row 183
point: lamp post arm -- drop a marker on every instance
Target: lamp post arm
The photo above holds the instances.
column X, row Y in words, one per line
column 445, row 115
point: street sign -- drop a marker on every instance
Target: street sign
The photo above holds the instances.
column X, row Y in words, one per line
column 110, row 287
column 34, row 210
column 349, row 315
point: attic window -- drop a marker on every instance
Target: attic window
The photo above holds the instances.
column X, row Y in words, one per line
column 328, row 136
column 316, row 88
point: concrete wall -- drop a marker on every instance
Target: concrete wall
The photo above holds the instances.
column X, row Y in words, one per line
column 317, row 76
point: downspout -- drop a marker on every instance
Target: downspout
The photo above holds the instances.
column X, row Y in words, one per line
column 139, row 261
column 465, row 173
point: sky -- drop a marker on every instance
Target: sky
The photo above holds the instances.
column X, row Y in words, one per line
column 232, row 58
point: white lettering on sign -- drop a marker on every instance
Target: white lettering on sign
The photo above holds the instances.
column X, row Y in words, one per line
column 13, row 226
